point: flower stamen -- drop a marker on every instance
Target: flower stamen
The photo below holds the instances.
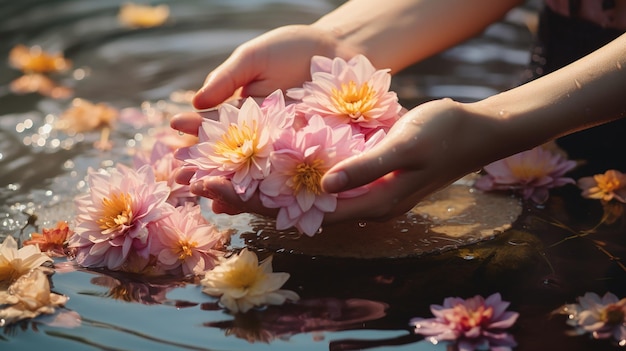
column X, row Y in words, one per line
column 309, row 177
column 116, row 212
column 239, row 142
column 352, row 100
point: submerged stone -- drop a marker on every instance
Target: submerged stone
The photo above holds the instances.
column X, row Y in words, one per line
column 451, row 218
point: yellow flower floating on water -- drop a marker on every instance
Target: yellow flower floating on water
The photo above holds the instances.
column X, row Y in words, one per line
column 28, row 297
column 15, row 263
column 39, row 83
column 143, row 16
column 36, row 60
column 607, row 186
column 242, row 283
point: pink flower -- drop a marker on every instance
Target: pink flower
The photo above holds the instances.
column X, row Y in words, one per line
column 238, row 146
column 186, row 241
column 532, row 173
column 605, row 187
column 298, row 163
column 351, row 92
column 164, row 165
column 603, row 317
column 112, row 218
column 473, row 324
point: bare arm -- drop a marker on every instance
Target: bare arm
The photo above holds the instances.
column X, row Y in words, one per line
column 440, row 141
column 394, row 34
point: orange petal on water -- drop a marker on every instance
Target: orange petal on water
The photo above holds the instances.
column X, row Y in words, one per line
column 38, row 83
column 36, row 60
column 143, row 16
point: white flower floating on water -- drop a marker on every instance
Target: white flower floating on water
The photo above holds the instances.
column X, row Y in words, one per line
column 603, row 317
column 28, row 297
column 242, row 283
column 16, row 262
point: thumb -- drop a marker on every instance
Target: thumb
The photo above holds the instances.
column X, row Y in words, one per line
column 222, row 83
column 361, row 169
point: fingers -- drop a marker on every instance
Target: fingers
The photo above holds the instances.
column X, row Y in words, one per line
column 186, row 122
column 226, row 200
column 237, row 71
column 364, row 168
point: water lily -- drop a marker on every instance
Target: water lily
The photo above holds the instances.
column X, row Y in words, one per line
column 36, row 60
column 238, row 146
column 187, row 241
column 16, row 262
column 472, row 324
column 531, row 173
column 606, row 187
column 28, row 297
column 350, row 92
column 112, row 218
column 51, row 240
column 242, row 283
column 165, row 165
column 143, row 16
column 603, row 317
column 299, row 161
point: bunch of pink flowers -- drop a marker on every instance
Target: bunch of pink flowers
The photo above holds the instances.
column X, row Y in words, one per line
column 133, row 220
column 281, row 151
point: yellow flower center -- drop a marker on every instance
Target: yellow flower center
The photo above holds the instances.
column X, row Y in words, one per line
column 529, row 171
column 352, row 100
column 471, row 318
column 244, row 276
column 116, row 212
column 233, row 141
column 309, row 177
column 607, row 183
column 184, row 249
column 8, row 273
column 613, row 314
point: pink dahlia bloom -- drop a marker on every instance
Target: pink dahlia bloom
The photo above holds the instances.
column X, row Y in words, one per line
column 532, row 173
column 299, row 161
column 186, row 242
column 603, row 317
column 112, row 218
column 238, row 146
column 473, row 324
column 164, row 165
column 351, row 92
column 606, row 187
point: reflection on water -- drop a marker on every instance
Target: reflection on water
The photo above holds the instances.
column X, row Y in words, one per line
column 550, row 256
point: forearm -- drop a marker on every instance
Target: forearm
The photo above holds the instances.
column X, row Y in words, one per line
column 394, row 34
column 587, row 92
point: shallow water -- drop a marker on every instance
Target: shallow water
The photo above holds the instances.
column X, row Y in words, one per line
column 348, row 304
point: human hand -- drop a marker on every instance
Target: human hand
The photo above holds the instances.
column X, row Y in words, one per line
column 428, row 148
column 278, row 59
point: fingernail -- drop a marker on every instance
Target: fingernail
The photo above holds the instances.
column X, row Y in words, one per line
column 334, row 182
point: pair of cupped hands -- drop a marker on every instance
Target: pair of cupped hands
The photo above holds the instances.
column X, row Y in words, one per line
column 431, row 145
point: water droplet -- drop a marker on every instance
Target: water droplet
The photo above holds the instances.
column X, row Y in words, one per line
column 469, row 257
column 180, row 133
column 319, row 230
column 450, row 209
column 622, row 342
column 380, row 160
column 503, row 113
column 619, row 65
column 362, row 224
column 578, row 85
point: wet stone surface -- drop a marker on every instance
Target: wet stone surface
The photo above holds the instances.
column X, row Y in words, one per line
column 451, row 218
